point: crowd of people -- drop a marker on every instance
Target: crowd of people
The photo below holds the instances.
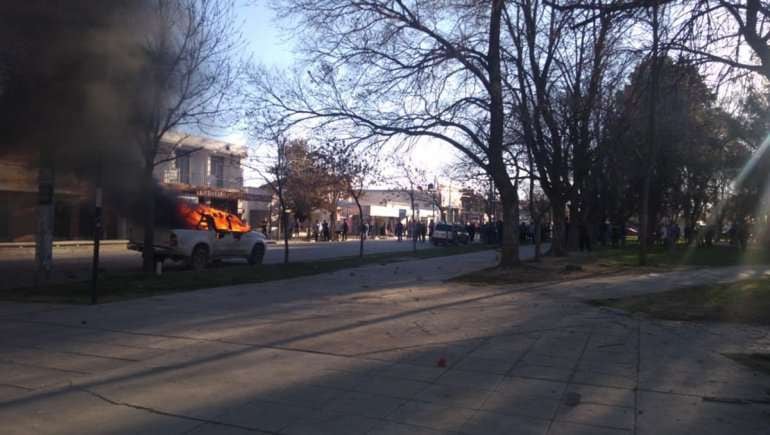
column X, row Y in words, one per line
column 605, row 234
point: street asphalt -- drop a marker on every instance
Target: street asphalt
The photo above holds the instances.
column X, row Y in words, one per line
column 382, row 349
column 74, row 263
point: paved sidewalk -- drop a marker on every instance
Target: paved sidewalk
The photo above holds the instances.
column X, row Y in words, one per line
column 382, row 349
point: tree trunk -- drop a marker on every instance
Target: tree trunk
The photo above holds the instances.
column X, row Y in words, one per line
column 414, row 227
column 573, row 236
column 45, row 218
column 285, row 224
column 509, row 255
column 361, row 230
column 148, row 252
column 558, row 238
column 333, row 223
column 644, row 221
column 644, row 217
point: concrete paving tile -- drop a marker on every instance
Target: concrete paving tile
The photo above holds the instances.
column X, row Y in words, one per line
column 452, row 395
column 532, row 387
column 24, row 376
column 218, row 429
column 360, row 366
column 541, row 372
column 332, row 425
column 108, row 350
column 627, row 358
column 565, row 428
column 487, row 423
column 310, row 396
column 597, row 415
column 9, row 393
column 485, row 365
column 603, row 395
column 711, row 383
column 364, row 404
column 501, row 351
column 430, row 357
column 169, row 343
column 668, row 413
column 391, row 355
column 464, row 378
column 431, row 415
column 266, row 416
column 413, row 372
column 337, row 379
column 392, row 387
column 75, row 412
column 59, row 360
column 511, row 402
column 551, row 359
column 603, row 380
column 609, row 368
column 405, row 429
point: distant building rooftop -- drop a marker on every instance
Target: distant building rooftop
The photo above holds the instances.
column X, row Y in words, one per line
column 191, row 141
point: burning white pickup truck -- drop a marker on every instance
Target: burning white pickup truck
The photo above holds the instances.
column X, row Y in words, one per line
column 208, row 234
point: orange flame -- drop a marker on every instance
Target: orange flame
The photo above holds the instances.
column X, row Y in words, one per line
column 202, row 217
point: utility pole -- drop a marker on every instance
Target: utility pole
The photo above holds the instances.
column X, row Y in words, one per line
column 97, row 230
column 644, row 218
column 449, row 203
column 45, row 217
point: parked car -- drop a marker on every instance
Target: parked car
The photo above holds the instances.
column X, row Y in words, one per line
column 461, row 234
column 445, row 234
column 210, row 235
column 198, row 248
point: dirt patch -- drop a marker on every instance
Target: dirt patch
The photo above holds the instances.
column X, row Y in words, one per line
column 576, row 266
column 754, row 361
column 745, row 301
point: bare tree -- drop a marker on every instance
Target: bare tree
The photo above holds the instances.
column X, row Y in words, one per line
column 279, row 174
column 558, row 76
column 354, row 168
column 383, row 69
column 187, row 79
column 413, row 181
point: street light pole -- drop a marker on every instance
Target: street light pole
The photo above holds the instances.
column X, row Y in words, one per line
column 97, row 231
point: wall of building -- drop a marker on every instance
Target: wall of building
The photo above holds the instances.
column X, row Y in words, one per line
column 200, row 170
column 73, row 201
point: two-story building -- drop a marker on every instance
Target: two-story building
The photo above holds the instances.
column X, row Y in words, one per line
column 203, row 170
column 197, row 169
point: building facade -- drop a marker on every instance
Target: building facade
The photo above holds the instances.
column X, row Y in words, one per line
column 194, row 168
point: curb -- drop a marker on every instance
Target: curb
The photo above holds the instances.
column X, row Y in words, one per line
column 62, row 244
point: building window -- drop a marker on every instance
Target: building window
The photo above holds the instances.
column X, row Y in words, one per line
column 217, row 171
column 183, row 166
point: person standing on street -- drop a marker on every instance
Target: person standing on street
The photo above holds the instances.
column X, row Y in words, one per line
column 400, row 231
column 469, row 227
column 325, row 229
column 345, row 229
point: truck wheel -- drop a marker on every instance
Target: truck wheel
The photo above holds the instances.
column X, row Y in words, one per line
column 257, row 254
column 199, row 258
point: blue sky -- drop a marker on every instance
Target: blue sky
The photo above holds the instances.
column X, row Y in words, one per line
column 263, row 37
column 272, row 47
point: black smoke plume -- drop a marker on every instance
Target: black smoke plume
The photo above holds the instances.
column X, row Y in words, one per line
column 70, row 73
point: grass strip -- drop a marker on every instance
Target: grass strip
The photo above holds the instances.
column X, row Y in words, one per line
column 745, row 301
column 117, row 287
column 715, row 256
column 754, row 361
